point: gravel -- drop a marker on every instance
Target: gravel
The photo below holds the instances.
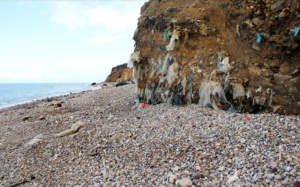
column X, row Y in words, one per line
column 121, row 145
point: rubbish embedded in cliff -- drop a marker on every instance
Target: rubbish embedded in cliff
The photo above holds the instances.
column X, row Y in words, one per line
column 191, row 83
column 144, row 106
column 238, row 90
column 165, row 64
column 183, row 83
column 238, row 30
column 175, row 36
column 220, row 64
column 166, row 35
column 176, row 95
column 271, row 96
column 172, row 73
column 134, row 57
column 225, row 66
column 297, row 29
column 260, row 36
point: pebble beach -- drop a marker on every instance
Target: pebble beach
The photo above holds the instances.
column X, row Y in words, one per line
column 100, row 138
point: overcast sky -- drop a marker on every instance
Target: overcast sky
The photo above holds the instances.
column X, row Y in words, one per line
column 52, row 41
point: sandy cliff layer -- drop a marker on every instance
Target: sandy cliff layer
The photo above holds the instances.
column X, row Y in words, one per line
column 119, row 73
column 239, row 55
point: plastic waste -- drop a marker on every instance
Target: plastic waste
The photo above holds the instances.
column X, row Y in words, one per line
column 144, row 106
column 220, row 64
column 172, row 73
column 176, row 96
column 175, row 36
column 260, row 36
column 183, row 83
column 238, row 30
column 160, row 49
column 165, row 64
column 238, row 90
column 229, row 110
column 297, row 29
column 226, row 66
column 190, row 79
column 134, row 57
column 209, row 89
column 165, row 35
column 191, row 83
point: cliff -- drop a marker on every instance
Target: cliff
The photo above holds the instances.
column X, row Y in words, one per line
column 238, row 55
column 120, row 73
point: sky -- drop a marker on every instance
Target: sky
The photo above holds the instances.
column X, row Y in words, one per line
column 48, row 41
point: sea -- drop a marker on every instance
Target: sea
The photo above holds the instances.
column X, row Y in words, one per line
column 19, row 93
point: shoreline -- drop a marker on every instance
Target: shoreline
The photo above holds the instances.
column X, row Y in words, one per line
column 41, row 99
column 99, row 138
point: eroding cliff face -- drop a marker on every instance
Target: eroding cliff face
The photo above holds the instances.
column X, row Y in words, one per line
column 120, row 73
column 239, row 55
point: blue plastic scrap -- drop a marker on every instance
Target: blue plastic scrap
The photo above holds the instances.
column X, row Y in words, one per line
column 229, row 110
column 259, row 38
column 297, row 29
column 220, row 62
column 160, row 49
column 191, row 82
column 190, row 79
column 166, row 35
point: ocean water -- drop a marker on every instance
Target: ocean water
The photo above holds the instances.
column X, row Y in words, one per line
column 12, row 94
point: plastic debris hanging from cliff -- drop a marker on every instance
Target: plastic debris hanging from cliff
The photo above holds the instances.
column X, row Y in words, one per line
column 134, row 57
column 209, row 91
column 238, row 90
column 165, row 35
column 165, row 64
column 175, row 36
column 225, row 65
column 260, row 36
column 297, row 29
column 172, row 73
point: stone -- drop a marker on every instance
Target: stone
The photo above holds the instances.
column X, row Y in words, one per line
column 197, row 176
column 75, row 127
column 288, row 168
column 277, row 5
column 209, row 184
column 256, row 21
column 172, row 178
column 279, row 77
column 233, row 178
column 42, row 117
column 26, row 118
column 121, row 83
column 297, row 184
column 185, row 182
column 56, row 105
column 176, row 168
column 285, row 13
column 270, row 176
column 256, row 47
column 242, row 140
column 278, row 177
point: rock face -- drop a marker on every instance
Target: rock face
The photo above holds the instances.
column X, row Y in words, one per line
column 227, row 54
column 120, row 73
